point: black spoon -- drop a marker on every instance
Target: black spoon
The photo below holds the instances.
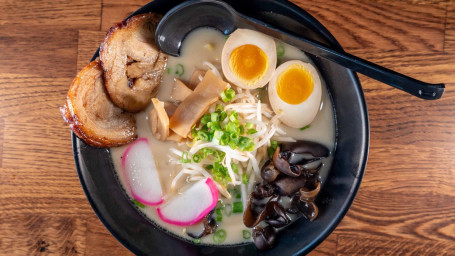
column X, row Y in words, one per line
column 184, row 18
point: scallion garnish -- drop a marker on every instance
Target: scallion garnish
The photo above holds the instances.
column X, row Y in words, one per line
column 227, row 209
column 219, row 215
column 215, row 117
column 272, row 148
column 138, row 204
column 202, row 135
column 244, row 178
column 219, row 236
column 235, row 167
column 238, row 207
column 233, row 116
column 280, row 51
column 179, row 70
column 185, row 159
column 305, row 127
column 251, row 131
column 245, row 144
column 246, row 234
column 223, row 128
column 197, row 158
column 219, row 108
column 228, row 95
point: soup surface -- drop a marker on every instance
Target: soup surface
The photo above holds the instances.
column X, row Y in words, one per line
column 206, row 45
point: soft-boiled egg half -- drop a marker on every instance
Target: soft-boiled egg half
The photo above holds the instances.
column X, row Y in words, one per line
column 248, row 58
column 295, row 92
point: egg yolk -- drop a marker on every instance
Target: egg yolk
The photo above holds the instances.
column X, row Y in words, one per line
column 295, row 84
column 249, row 63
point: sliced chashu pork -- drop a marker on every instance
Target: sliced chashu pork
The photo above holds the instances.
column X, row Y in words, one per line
column 91, row 114
column 132, row 62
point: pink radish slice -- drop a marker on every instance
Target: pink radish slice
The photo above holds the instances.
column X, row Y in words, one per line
column 141, row 174
column 191, row 206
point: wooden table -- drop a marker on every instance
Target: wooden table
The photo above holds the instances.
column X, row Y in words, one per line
column 406, row 203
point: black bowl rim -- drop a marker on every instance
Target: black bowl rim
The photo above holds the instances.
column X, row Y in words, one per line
column 354, row 190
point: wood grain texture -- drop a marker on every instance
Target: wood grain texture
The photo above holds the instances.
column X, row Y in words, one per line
column 114, row 11
column 28, row 96
column 34, row 49
column 100, row 242
column 371, row 245
column 88, row 42
column 406, row 203
column 1, row 142
column 39, row 234
column 81, row 14
column 449, row 42
column 381, row 24
column 327, row 248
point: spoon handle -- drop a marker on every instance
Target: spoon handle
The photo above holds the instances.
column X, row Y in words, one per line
column 402, row 82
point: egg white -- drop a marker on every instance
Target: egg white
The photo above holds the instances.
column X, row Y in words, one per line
column 298, row 115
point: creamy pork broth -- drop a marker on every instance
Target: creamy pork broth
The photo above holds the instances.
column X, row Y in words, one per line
column 206, row 45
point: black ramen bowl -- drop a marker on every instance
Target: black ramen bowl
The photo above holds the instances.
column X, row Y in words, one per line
column 141, row 236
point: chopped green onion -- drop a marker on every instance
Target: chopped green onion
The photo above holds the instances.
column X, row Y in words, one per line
column 185, row 158
column 219, row 108
column 246, row 234
column 225, row 139
column 218, row 155
column 219, row 215
column 227, row 209
column 305, row 127
column 241, row 129
column 197, row 158
column 219, row 236
column 218, row 134
column 223, row 116
column 205, row 152
column 244, row 179
column 234, row 137
column 218, row 211
column 238, row 196
column 168, row 70
column 246, row 144
column 228, row 95
column 214, row 126
column 138, row 204
column 272, row 148
column 235, row 167
column 280, row 51
column 204, row 136
column 197, row 241
column 233, row 116
column 206, row 118
column 220, row 172
column 231, row 127
column 249, row 126
column 251, row 131
column 179, row 70
column 233, row 144
column 215, row 117
column 238, row 207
